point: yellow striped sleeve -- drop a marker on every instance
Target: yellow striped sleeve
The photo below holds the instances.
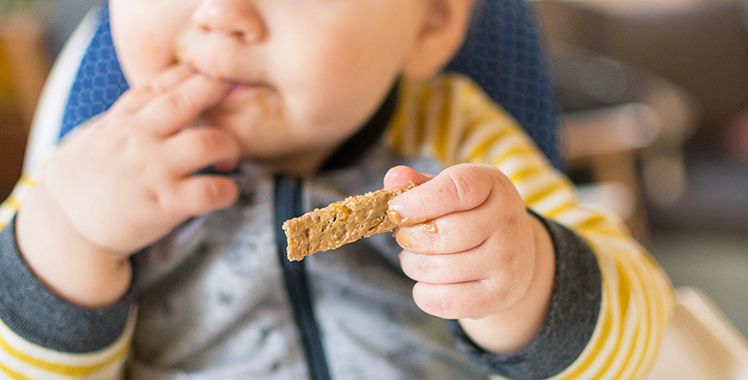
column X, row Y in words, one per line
column 20, row 359
column 11, row 204
column 637, row 297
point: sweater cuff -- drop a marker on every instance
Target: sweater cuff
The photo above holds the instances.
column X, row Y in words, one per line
column 41, row 317
column 575, row 306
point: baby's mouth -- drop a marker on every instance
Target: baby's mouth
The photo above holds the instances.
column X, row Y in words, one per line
column 238, row 87
column 247, row 93
column 235, row 82
column 242, row 93
column 254, row 98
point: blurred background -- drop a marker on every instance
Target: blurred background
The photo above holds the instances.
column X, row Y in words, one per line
column 654, row 101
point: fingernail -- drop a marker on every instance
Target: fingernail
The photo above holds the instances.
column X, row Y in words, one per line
column 394, row 212
column 403, row 239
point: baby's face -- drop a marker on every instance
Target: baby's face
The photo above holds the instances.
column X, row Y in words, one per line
column 306, row 73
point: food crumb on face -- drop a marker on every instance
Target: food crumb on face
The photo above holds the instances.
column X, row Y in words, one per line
column 265, row 109
column 150, row 45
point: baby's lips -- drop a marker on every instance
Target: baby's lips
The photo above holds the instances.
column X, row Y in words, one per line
column 225, row 166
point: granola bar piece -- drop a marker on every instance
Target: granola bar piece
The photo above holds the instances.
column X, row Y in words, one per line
column 340, row 223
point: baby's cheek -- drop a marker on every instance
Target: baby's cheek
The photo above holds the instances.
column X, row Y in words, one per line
column 151, row 47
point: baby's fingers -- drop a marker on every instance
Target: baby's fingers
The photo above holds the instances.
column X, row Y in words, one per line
column 445, row 268
column 180, row 105
column 456, row 232
column 202, row 194
column 137, row 97
column 469, row 284
column 197, row 148
column 401, row 176
column 454, row 301
column 458, row 188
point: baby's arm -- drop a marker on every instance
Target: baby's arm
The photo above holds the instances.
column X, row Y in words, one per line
column 116, row 186
column 486, row 264
column 611, row 302
column 123, row 182
column 44, row 336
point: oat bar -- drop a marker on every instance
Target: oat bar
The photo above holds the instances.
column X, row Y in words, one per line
column 340, row 223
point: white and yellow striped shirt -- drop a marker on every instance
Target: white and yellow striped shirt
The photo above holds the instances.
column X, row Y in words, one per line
column 459, row 124
column 449, row 118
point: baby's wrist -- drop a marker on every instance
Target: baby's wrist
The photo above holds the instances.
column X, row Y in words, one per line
column 64, row 260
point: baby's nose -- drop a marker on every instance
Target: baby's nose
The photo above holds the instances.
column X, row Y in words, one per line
column 238, row 19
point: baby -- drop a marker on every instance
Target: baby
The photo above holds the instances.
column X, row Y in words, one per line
column 135, row 260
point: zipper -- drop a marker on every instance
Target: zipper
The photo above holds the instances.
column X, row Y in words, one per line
column 288, row 204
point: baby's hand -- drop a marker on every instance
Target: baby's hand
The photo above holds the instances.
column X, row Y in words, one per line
column 468, row 240
column 127, row 179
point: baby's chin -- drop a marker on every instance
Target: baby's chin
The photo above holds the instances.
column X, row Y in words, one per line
column 290, row 163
